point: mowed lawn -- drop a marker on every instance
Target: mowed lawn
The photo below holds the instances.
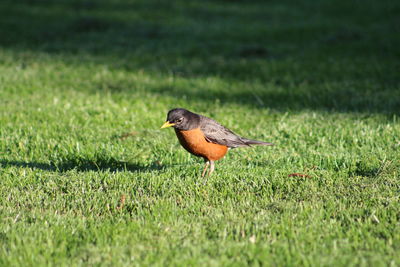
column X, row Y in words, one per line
column 87, row 178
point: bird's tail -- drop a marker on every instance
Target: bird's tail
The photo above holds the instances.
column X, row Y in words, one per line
column 255, row 142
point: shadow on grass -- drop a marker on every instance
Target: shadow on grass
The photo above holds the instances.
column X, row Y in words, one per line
column 83, row 165
column 312, row 57
column 281, row 98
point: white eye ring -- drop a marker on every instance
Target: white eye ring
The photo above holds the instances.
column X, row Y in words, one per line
column 179, row 120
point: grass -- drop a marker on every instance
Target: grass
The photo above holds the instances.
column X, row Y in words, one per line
column 88, row 178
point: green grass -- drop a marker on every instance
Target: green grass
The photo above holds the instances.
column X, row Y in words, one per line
column 320, row 79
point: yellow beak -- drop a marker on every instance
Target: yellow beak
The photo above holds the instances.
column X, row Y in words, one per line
column 167, row 124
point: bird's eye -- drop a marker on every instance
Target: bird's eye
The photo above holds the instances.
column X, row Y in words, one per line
column 179, row 120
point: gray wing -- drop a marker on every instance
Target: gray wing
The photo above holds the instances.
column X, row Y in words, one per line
column 218, row 134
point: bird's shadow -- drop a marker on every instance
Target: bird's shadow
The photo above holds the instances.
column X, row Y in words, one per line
column 84, row 165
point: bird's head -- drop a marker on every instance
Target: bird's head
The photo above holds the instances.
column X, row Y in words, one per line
column 181, row 119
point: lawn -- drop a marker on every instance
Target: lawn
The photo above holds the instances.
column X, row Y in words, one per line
column 88, row 178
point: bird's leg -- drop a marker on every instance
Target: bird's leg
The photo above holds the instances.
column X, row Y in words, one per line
column 211, row 167
column 205, row 168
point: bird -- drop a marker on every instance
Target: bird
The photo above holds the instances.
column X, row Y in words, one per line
column 204, row 137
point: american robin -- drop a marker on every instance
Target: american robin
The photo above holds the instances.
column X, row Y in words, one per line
column 204, row 137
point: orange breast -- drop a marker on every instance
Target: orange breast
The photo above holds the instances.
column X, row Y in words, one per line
column 195, row 142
